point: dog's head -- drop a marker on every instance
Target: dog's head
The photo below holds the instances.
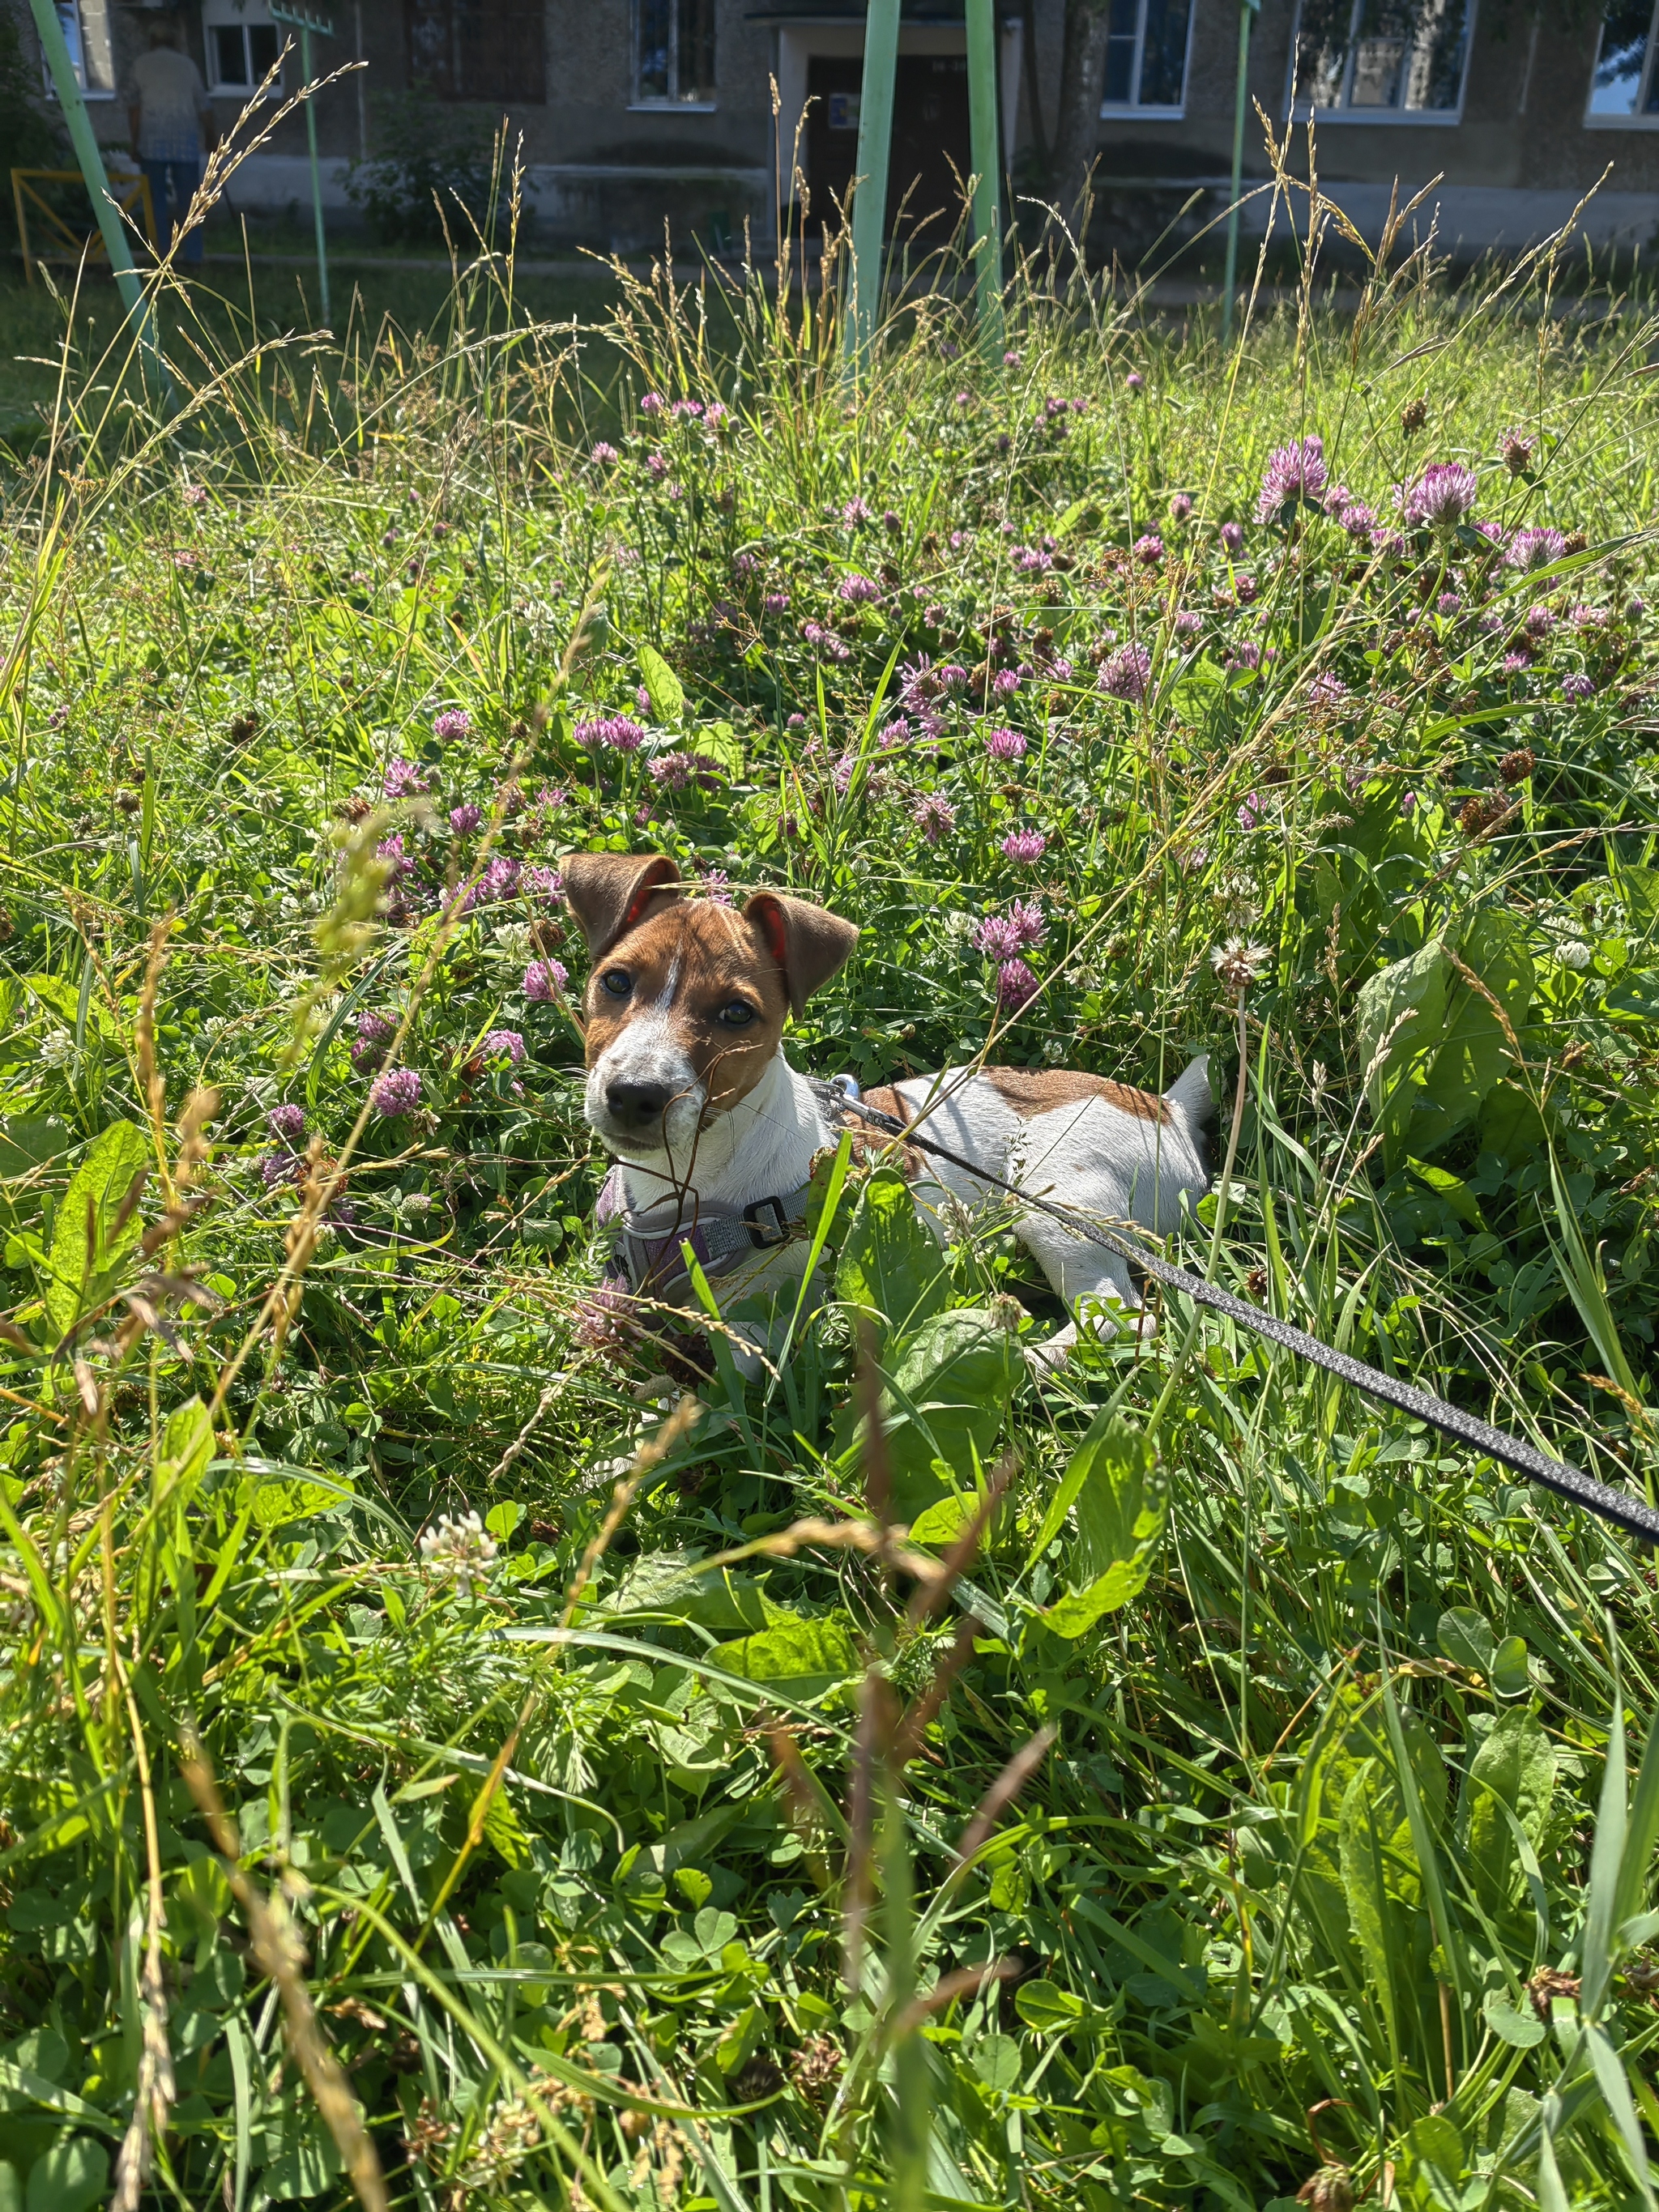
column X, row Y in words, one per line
column 687, row 999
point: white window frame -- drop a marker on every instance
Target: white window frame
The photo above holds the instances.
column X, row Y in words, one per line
column 640, row 106
column 1143, row 110
column 1649, row 69
column 231, row 15
column 77, row 44
column 1300, row 109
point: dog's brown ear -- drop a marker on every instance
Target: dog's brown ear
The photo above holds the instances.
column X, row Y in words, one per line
column 609, row 892
column 808, row 943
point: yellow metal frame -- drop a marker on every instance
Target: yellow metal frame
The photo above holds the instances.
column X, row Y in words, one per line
column 133, row 193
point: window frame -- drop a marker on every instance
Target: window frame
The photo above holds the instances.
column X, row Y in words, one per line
column 1300, row 109
column 1142, row 110
column 1639, row 121
column 641, row 104
column 241, row 16
column 89, row 90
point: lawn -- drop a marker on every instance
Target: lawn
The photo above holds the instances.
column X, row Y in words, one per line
column 456, row 1754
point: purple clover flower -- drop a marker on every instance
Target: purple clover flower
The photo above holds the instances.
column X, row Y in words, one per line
column 855, row 513
column 544, row 981
column 673, row 770
column 539, row 882
column 858, row 591
column 1233, row 539
column 1005, row 744
column 1024, row 845
column 1441, row 497
column 1189, row 624
column 1358, row 519
column 1327, row 690
column 1006, row 683
column 935, row 817
column 396, row 1093
column 1181, row 506
column 616, row 732
column 279, row 1167
column 402, row 778
column 453, row 722
column 374, row 1034
column 603, row 454
column 1026, row 920
column 1126, row 674
column 1449, row 603
column 464, row 820
column 1149, row 550
column 1534, row 548
column 715, row 886
column 775, row 603
column 1294, row 472
column 287, row 1122
column 503, row 1043
column 499, row 881
column 1576, row 689
column 1135, row 381
column 1017, row 986
column 997, row 937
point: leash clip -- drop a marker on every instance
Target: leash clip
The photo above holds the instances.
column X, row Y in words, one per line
column 764, row 1235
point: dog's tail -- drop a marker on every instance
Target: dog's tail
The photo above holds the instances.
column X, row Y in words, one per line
column 1191, row 1097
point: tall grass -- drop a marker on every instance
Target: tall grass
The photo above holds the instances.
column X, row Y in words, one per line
column 763, row 1801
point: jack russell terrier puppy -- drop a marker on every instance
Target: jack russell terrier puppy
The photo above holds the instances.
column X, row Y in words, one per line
column 714, row 1134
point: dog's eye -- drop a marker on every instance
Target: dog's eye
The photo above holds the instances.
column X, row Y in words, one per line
column 617, row 983
column 737, row 1014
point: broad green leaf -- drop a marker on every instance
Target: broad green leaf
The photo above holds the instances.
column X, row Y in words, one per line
column 1049, row 2008
column 663, row 688
column 90, row 1239
column 1401, row 1018
column 1520, row 2030
column 804, row 1658
column 740, row 2038
column 996, row 2060
column 1466, row 1638
column 892, row 1265
column 1367, row 1825
column 28, row 1142
column 944, row 1398
column 71, row 2177
column 1434, row 2161
column 1514, row 1766
column 1120, row 1501
column 1475, row 1050
column 1509, row 1674
column 725, row 1603
column 187, row 1447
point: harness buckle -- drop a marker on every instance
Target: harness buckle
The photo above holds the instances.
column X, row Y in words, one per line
column 764, row 1235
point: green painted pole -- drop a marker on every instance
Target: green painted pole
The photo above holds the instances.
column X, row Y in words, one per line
column 987, row 154
column 1229, row 283
column 881, row 31
column 316, row 180
column 139, row 311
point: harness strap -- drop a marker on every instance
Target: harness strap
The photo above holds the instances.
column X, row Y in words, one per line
column 1566, row 1481
column 646, row 1256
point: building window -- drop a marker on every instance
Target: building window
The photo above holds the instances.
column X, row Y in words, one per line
column 85, row 34
column 492, row 50
column 1375, row 61
column 1624, row 86
column 674, row 53
column 1146, row 58
column 242, row 44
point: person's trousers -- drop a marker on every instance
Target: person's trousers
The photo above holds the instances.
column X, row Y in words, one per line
column 182, row 177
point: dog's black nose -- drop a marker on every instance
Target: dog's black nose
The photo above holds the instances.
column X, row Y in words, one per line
column 636, row 1105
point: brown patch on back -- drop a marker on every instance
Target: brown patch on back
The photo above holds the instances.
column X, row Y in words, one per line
column 721, row 957
column 1033, row 1090
column 882, row 1098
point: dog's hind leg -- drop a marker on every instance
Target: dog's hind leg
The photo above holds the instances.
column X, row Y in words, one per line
column 1089, row 1280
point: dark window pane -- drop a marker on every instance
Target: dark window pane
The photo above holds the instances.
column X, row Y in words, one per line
column 653, row 32
column 1616, row 87
column 1164, row 54
column 229, row 54
column 488, row 50
column 263, row 48
column 696, row 55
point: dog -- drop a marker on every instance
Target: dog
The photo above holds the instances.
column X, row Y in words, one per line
column 715, row 1134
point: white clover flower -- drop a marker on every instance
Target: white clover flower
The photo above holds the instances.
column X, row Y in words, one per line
column 461, row 1548
column 57, row 1048
column 1574, row 953
column 1239, row 964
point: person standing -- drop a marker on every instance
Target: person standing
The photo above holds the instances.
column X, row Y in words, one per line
column 173, row 124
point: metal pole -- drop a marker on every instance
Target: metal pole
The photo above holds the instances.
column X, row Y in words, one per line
column 987, row 153
column 1246, row 9
column 881, row 30
column 139, row 311
column 316, row 180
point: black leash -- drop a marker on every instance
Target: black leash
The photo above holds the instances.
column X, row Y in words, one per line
column 1569, row 1482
